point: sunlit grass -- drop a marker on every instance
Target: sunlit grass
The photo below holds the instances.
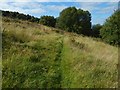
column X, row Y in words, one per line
column 36, row 56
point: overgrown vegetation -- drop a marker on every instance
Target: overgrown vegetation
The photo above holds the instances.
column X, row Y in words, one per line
column 77, row 21
column 36, row 56
column 111, row 29
column 21, row 16
column 96, row 30
column 48, row 21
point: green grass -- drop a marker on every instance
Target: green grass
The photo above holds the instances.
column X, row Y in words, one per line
column 36, row 56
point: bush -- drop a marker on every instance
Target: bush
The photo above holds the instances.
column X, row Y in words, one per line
column 21, row 16
column 96, row 30
column 48, row 20
column 111, row 29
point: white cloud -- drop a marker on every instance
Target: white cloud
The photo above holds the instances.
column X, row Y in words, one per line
column 98, row 21
column 107, row 10
column 37, row 9
column 23, row 7
column 90, row 6
column 96, row 1
column 32, row 8
column 28, row 5
column 95, row 6
column 59, row 1
column 99, row 9
column 56, row 7
column 110, row 8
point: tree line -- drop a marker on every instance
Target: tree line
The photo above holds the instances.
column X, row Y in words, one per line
column 78, row 21
column 21, row 16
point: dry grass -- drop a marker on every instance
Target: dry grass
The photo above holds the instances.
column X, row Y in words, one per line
column 38, row 56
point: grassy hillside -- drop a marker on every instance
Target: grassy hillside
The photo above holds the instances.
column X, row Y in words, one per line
column 36, row 56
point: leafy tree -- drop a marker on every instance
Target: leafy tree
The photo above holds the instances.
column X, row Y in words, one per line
column 96, row 30
column 67, row 16
column 75, row 20
column 111, row 29
column 48, row 20
column 28, row 17
column 21, row 16
column 6, row 13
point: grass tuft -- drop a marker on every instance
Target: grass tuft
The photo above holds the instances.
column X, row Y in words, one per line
column 36, row 56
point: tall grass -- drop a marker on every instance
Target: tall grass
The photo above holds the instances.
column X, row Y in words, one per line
column 36, row 56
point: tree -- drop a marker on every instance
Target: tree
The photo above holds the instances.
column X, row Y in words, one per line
column 111, row 29
column 67, row 16
column 48, row 20
column 75, row 20
column 96, row 30
column 16, row 15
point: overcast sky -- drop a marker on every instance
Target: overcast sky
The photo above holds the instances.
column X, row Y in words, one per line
column 100, row 11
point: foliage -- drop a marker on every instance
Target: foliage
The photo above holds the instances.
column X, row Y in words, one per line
column 111, row 29
column 75, row 20
column 55, row 60
column 96, row 30
column 48, row 20
column 16, row 15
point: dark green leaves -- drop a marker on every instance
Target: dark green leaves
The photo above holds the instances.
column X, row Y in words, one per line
column 111, row 29
column 48, row 20
column 75, row 20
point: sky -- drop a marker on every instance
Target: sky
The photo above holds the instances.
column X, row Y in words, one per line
column 100, row 11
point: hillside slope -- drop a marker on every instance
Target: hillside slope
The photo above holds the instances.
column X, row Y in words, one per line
column 36, row 56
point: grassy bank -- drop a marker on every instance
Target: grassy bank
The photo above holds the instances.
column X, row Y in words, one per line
column 37, row 56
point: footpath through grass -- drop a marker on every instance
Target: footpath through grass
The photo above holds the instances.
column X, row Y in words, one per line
column 35, row 56
column 32, row 66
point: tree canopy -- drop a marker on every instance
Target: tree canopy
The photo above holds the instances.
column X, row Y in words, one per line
column 96, row 30
column 16, row 15
column 75, row 20
column 111, row 29
column 48, row 20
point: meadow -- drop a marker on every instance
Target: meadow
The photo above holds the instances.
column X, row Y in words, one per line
column 37, row 56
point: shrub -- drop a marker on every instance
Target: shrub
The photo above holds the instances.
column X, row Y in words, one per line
column 48, row 20
column 96, row 30
column 111, row 29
